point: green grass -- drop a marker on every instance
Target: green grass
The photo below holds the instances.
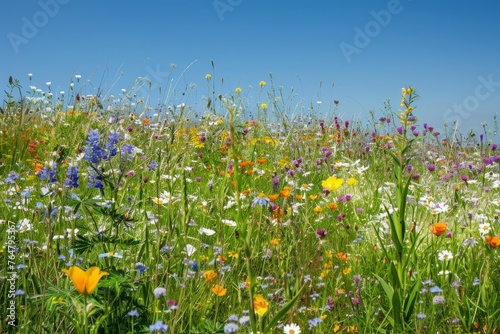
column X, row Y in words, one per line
column 194, row 197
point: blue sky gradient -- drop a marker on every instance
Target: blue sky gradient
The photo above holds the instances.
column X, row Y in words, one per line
column 448, row 50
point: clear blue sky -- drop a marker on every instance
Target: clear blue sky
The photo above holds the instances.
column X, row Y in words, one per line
column 449, row 50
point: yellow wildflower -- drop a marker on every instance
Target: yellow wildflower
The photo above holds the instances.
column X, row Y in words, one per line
column 260, row 305
column 219, row 290
column 209, row 276
column 351, row 181
column 332, row 183
column 85, row 281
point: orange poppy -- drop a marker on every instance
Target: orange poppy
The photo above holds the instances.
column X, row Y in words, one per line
column 437, row 228
column 494, row 241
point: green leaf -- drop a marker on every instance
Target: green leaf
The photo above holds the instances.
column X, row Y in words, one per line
column 410, row 300
column 281, row 313
column 389, row 291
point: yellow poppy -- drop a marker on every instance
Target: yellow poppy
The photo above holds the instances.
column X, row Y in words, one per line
column 332, row 183
column 219, row 290
column 209, row 276
column 260, row 305
column 85, row 281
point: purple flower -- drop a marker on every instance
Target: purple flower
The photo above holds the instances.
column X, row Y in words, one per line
column 321, row 233
column 152, row 165
column 276, row 182
column 431, row 167
column 128, row 149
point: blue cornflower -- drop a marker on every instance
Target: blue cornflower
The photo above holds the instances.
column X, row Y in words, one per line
column 421, row 316
column 438, row 300
column 43, row 174
column 194, row 266
column 244, row 320
column 435, row 289
column 133, row 313
column 11, row 178
column 158, row 326
column 231, row 328
column 261, row 200
column 54, row 211
column 19, row 292
column 159, row 292
column 233, row 318
column 128, row 149
column 71, row 177
column 314, row 322
column 475, row 281
column 140, row 267
column 26, row 193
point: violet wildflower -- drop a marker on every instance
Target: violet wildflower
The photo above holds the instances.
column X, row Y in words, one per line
column 321, row 233
column 152, row 165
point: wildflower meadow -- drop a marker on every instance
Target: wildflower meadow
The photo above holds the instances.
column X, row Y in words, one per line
column 232, row 215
